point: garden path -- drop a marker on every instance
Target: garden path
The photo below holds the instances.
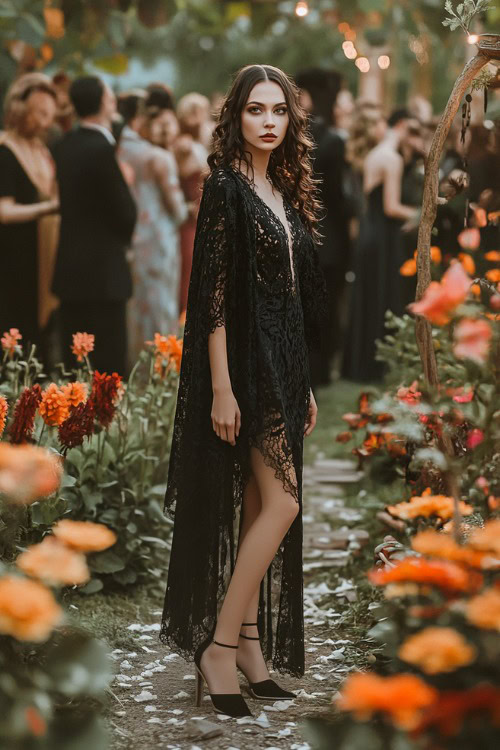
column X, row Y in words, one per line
column 153, row 704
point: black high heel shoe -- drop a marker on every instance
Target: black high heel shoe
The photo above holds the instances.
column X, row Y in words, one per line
column 265, row 689
column 231, row 704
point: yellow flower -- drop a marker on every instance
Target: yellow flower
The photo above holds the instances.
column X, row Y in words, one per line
column 28, row 610
column 84, row 535
column 436, row 650
column 54, row 563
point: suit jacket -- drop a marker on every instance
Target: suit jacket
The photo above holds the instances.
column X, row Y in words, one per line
column 98, row 215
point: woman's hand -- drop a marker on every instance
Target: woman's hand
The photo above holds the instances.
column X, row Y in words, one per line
column 311, row 416
column 226, row 415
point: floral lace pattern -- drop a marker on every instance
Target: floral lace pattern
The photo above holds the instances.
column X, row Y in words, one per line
column 265, row 287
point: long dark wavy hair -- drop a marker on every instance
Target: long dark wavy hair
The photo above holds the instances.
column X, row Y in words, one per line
column 289, row 165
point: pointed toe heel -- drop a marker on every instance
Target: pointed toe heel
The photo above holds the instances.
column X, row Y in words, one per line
column 265, row 690
column 231, row 704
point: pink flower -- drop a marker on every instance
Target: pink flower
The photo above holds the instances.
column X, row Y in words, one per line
column 441, row 298
column 9, row 341
column 460, row 396
column 472, row 340
column 469, row 239
column 409, row 395
column 474, row 438
column 83, row 343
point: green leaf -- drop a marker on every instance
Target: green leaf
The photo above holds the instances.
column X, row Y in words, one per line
column 156, row 540
column 106, row 562
column 92, row 587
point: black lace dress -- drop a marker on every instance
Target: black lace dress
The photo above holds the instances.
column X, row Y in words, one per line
column 270, row 297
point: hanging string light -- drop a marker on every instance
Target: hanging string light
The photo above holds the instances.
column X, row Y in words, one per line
column 349, row 50
column 384, row 61
column 363, row 64
column 301, row 9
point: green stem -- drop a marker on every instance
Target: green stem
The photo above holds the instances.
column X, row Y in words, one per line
column 41, row 433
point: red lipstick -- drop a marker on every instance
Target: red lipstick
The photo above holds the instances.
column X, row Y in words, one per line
column 268, row 137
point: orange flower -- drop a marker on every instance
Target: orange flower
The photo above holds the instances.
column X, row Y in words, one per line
column 4, row 408
column 487, row 538
column 469, row 239
column 84, row 535
column 10, row 340
column 436, row 650
column 428, row 505
column 54, row 408
column 493, row 255
column 28, row 610
column 484, row 610
column 54, row 563
column 438, row 544
column 472, row 340
column 28, row 473
column 354, row 420
column 480, row 217
column 436, row 255
column 167, row 348
column 453, row 706
column 76, row 393
column 476, row 290
column 441, row 298
column 446, row 575
column 493, row 275
column 409, row 268
column 35, row 721
column 343, row 437
column 402, row 697
column 83, row 344
column 467, row 262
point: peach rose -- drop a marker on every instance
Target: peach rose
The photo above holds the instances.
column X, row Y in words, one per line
column 28, row 472
column 28, row 610
column 84, row 535
column 436, row 650
column 54, row 563
column 484, row 610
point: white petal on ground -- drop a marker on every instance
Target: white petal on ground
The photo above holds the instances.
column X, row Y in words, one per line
column 145, row 695
column 189, row 677
column 180, row 695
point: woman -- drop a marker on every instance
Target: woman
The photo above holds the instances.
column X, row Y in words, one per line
column 191, row 155
column 379, row 253
column 244, row 401
column 154, row 306
column 28, row 202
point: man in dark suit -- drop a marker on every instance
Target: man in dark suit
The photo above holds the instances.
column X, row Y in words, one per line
column 98, row 214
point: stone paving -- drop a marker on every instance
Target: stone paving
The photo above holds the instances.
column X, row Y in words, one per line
column 153, row 704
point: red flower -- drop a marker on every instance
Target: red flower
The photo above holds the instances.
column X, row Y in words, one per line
column 449, row 711
column 79, row 425
column 474, row 438
column 22, row 425
column 104, row 395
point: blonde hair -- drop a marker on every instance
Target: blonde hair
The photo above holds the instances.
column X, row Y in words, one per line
column 15, row 107
column 362, row 137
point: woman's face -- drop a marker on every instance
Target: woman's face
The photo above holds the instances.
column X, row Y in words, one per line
column 264, row 119
column 40, row 114
column 164, row 129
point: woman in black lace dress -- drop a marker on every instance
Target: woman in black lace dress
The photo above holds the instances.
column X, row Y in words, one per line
column 256, row 297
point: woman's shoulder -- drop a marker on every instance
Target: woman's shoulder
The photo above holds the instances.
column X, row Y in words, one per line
column 221, row 182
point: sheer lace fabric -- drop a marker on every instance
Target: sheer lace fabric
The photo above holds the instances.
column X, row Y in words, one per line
column 269, row 295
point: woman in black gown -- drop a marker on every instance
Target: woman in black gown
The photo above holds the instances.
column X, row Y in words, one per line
column 255, row 299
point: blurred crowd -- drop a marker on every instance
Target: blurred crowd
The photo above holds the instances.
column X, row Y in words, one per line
column 99, row 196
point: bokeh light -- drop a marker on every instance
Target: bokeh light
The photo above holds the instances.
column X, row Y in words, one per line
column 363, row 64
column 301, row 9
column 472, row 39
column 349, row 50
column 384, row 61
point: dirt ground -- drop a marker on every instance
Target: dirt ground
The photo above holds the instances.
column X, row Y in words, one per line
column 153, row 691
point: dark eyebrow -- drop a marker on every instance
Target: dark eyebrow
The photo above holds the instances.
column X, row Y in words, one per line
column 261, row 105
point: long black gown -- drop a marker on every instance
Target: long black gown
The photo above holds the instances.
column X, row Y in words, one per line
column 378, row 286
column 241, row 278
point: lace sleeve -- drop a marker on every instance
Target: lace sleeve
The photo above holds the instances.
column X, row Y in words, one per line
column 213, row 251
column 313, row 292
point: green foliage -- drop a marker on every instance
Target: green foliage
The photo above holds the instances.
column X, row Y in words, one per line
column 464, row 13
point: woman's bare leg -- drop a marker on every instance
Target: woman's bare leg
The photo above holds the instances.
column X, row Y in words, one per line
column 256, row 551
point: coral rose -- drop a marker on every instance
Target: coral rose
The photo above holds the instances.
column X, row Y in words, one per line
column 445, row 575
column 84, row 535
column 83, row 344
column 428, row 505
column 472, row 340
column 402, row 697
column 439, row 544
column 4, row 408
column 484, row 610
column 10, row 342
column 436, row 650
column 441, row 298
column 54, row 407
column 28, row 610
column 28, row 473
column 76, row 393
column 54, row 563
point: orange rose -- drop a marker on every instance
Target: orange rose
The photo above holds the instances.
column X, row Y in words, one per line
column 54, row 408
column 84, row 535
column 4, row 408
column 28, row 610
column 409, row 268
column 493, row 255
column 438, row 544
column 54, row 563
column 441, row 298
column 28, row 472
column 493, row 275
column 428, row 505
column 467, row 262
column 76, row 393
column 484, row 610
column 487, row 538
column 402, row 697
column 436, row 650
column 83, row 344
column 445, row 575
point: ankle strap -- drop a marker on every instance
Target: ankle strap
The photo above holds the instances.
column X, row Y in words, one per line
column 249, row 623
column 226, row 645
column 249, row 637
